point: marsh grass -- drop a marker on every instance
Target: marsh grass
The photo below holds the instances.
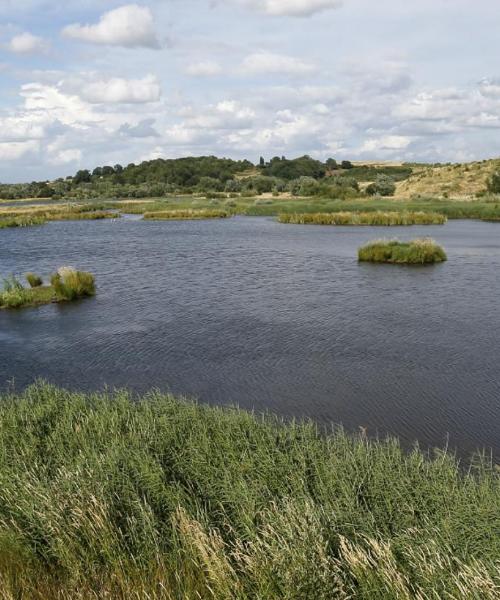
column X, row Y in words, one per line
column 71, row 284
column 66, row 284
column 34, row 280
column 110, row 496
column 21, row 221
column 420, row 251
column 364, row 218
column 187, row 214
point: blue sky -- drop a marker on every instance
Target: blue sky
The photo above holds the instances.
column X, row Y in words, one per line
column 87, row 82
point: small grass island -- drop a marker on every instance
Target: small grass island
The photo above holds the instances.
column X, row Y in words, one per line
column 416, row 252
column 65, row 285
column 187, row 214
column 376, row 218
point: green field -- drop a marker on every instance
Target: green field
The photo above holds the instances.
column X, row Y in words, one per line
column 110, row 496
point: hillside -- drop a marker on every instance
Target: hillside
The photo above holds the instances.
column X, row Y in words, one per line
column 454, row 181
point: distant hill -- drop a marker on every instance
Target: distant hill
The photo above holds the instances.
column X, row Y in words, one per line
column 455, row 181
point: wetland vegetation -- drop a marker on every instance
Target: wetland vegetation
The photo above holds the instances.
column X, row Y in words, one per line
column 420, row 251
column 65, row 285
column 364, row 218
column 106, row 495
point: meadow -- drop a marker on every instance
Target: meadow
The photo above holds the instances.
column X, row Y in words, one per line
column 111, row 496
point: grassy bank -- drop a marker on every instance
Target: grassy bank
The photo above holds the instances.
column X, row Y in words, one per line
column 364, row 218
column 421, row 251
column 188, row 214
column 22, row 221
column 67, row 284
column 104, row 496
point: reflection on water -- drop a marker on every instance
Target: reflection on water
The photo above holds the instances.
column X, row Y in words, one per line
column 269, row 316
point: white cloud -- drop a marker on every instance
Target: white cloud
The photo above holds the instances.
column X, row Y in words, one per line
column 267, row 62
column 27, row 43
column 386, row 142
column 126, row 91
column 64, row 157
column 131, row 26
column 293, row 8
column 16, row 150
column 206, row 68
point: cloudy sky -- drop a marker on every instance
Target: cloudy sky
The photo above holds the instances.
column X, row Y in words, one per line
column 93, row 82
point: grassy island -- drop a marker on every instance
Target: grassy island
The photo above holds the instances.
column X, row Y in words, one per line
column 21, row 221
column 364, row 218
column 187, row 214
column 110, row 496
column 421, row 251
column 67, row 284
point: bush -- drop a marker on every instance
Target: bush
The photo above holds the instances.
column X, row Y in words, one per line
column 14, row 294
column 494, row 183
column 383, row 186
column 34, row 280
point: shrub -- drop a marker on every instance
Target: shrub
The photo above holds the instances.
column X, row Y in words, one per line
column 186, row 214
column 383, row 186
column 494, row 183
column 34, row 280
column 420, row 251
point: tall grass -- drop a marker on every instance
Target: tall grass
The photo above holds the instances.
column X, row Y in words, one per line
column 363, row 218
column 186, row 214
column 71, row 284
column 110, row 496
column 420, row 251
column 66, row 284
column 34, row 280
column 21, row 221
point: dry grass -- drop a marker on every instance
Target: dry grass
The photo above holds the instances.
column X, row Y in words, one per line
column 461, row 181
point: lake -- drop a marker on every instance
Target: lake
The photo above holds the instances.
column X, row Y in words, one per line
column 267, row 316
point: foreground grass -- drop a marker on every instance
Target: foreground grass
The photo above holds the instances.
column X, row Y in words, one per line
column 364, row 218
column 187, row 214
column 66, row 284
column 106, row 496
column 421, row 251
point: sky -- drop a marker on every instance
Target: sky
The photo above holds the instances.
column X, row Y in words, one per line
column 86, row 82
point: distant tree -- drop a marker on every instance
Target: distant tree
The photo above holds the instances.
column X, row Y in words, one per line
column 118, row 168
column 346, row 164
column 383, row 186
column 82, row 176
column 262, row 162
column 494, row 183
column 331, row 164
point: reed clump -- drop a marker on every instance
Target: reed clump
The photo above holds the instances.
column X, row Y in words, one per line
column 71, row 284
column 34, row 280
column 419, row 251
column 186, row 214
column 66, row 284
column 110, row 496
column 381, row 218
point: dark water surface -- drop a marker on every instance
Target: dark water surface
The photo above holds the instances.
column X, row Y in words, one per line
column 271, row 316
